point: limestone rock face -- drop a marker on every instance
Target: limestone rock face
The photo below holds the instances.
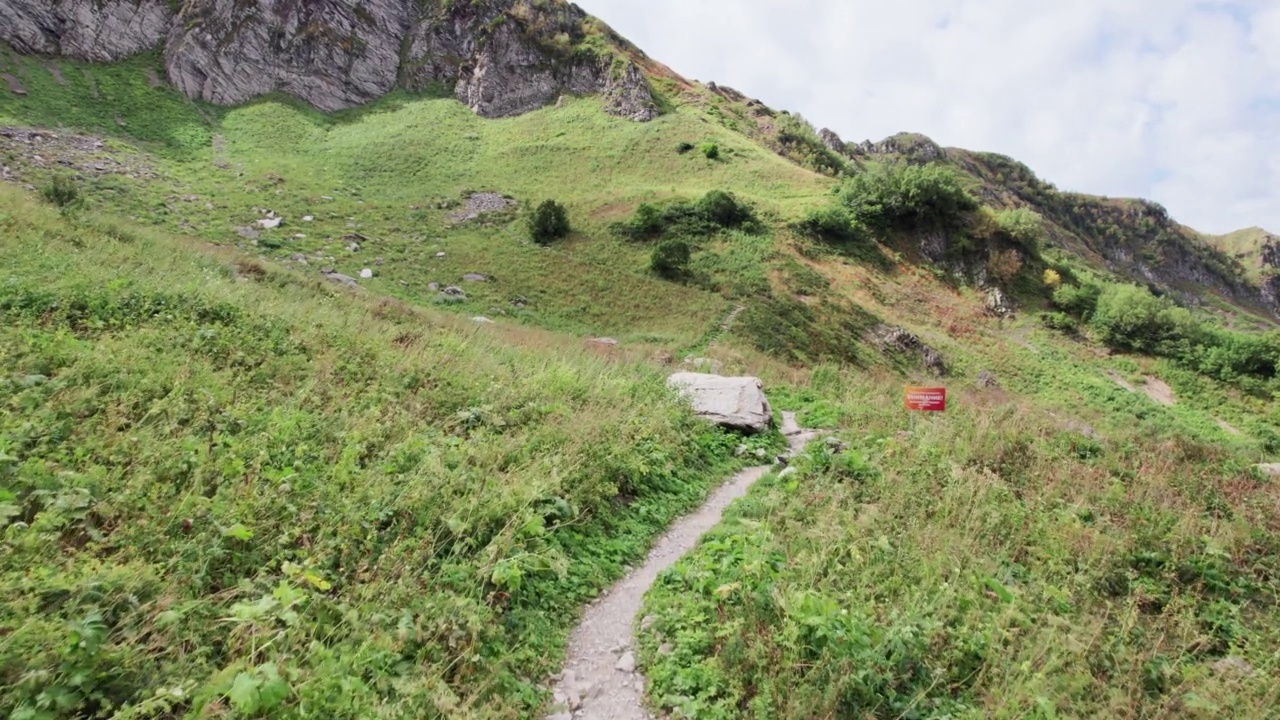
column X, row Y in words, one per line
column 99, row 30
column 499, row 57
column 502, row 58
column 334, row 54
column 734, row 402
column 831, row 140
column 1271, row 279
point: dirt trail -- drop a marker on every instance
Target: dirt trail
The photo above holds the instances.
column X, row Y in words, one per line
column 599, row 681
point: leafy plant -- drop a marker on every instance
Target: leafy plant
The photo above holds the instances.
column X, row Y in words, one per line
column 62, row 191
column 717, row 210
column 1004, row 265
column 833, row 224
column 670, row 259
column 549, row 222
column 900, row 196
column 1023, row 226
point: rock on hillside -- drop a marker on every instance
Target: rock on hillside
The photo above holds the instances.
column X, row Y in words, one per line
column 99, row 30
column 500, row 57
column 734, row 402
column 332, row 53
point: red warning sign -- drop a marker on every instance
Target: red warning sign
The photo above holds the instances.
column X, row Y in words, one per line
column 924, row 399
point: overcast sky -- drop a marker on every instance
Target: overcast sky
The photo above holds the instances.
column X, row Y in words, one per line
column 1173, row 100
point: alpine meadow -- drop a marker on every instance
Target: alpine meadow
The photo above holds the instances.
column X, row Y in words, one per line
column 338, row 355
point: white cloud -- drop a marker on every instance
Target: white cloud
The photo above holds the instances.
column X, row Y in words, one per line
column 1174, row 100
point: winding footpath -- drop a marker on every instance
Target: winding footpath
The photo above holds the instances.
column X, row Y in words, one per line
column 599, row 680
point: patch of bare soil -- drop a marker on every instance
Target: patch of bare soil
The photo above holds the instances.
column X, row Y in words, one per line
column 1159, row 390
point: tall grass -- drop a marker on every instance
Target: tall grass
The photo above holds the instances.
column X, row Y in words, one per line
column 225, row 489
column 989, row 562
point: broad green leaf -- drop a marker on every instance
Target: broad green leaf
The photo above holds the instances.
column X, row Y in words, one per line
column 1000, row 590
column 244, row 695
column 238, row 531
column 274, row 690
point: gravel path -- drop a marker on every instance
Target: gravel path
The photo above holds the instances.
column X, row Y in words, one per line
column 599, row 681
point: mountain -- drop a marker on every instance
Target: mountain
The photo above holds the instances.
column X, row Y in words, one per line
column 497, row 57
column 1258, row 251
column 502, row 58
column 312, row 406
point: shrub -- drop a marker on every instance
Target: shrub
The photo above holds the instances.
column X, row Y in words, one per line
column 907, row 196
column 800, row 142
column 832, row 224
column 1129, row 317
column 684, row 148
column 715, row 211
column 711, row 151
column 723, row 209
column 647, row 222
column 61, row 191
column 1078, row 300
column 1004, row 265
column 1058, row 321
column 550, row 221
column 670, row 259
column 1023, row 226
column 1052, row 279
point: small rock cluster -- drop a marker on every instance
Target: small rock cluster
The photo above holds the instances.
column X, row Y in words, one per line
column 82, row 154
column 480, row 204
column 891, row 338
column 998, row 303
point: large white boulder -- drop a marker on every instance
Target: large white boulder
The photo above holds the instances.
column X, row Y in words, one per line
column 735, row 402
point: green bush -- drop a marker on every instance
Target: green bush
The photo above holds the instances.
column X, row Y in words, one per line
column 715, row 211
column 550, row 221
column 907, row 196
column 1061, row 322
column 1023, row 226
column 800, row 142
column 61, row 191
column 684, row 148
column 833, row 224
column 711, row 151
column 1129, row 317
column 723, row 210
column 1078, row 300
column 646, row 223
column 670, row 259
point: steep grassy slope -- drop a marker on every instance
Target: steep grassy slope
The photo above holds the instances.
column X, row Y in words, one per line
column 384, row 172
column 1245, row 246
column 992, row 563
column 229, row 491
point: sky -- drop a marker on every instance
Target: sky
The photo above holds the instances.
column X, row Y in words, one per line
column 1177, row 101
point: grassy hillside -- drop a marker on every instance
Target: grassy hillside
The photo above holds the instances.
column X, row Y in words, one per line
column 232, row 487
column 992, row 563
column 396, row 171
column 229, row 491
column 1245, row 246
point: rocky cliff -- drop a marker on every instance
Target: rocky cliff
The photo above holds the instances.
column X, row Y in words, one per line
column 1135, row 239
column 99, row 30
column 500, row 57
